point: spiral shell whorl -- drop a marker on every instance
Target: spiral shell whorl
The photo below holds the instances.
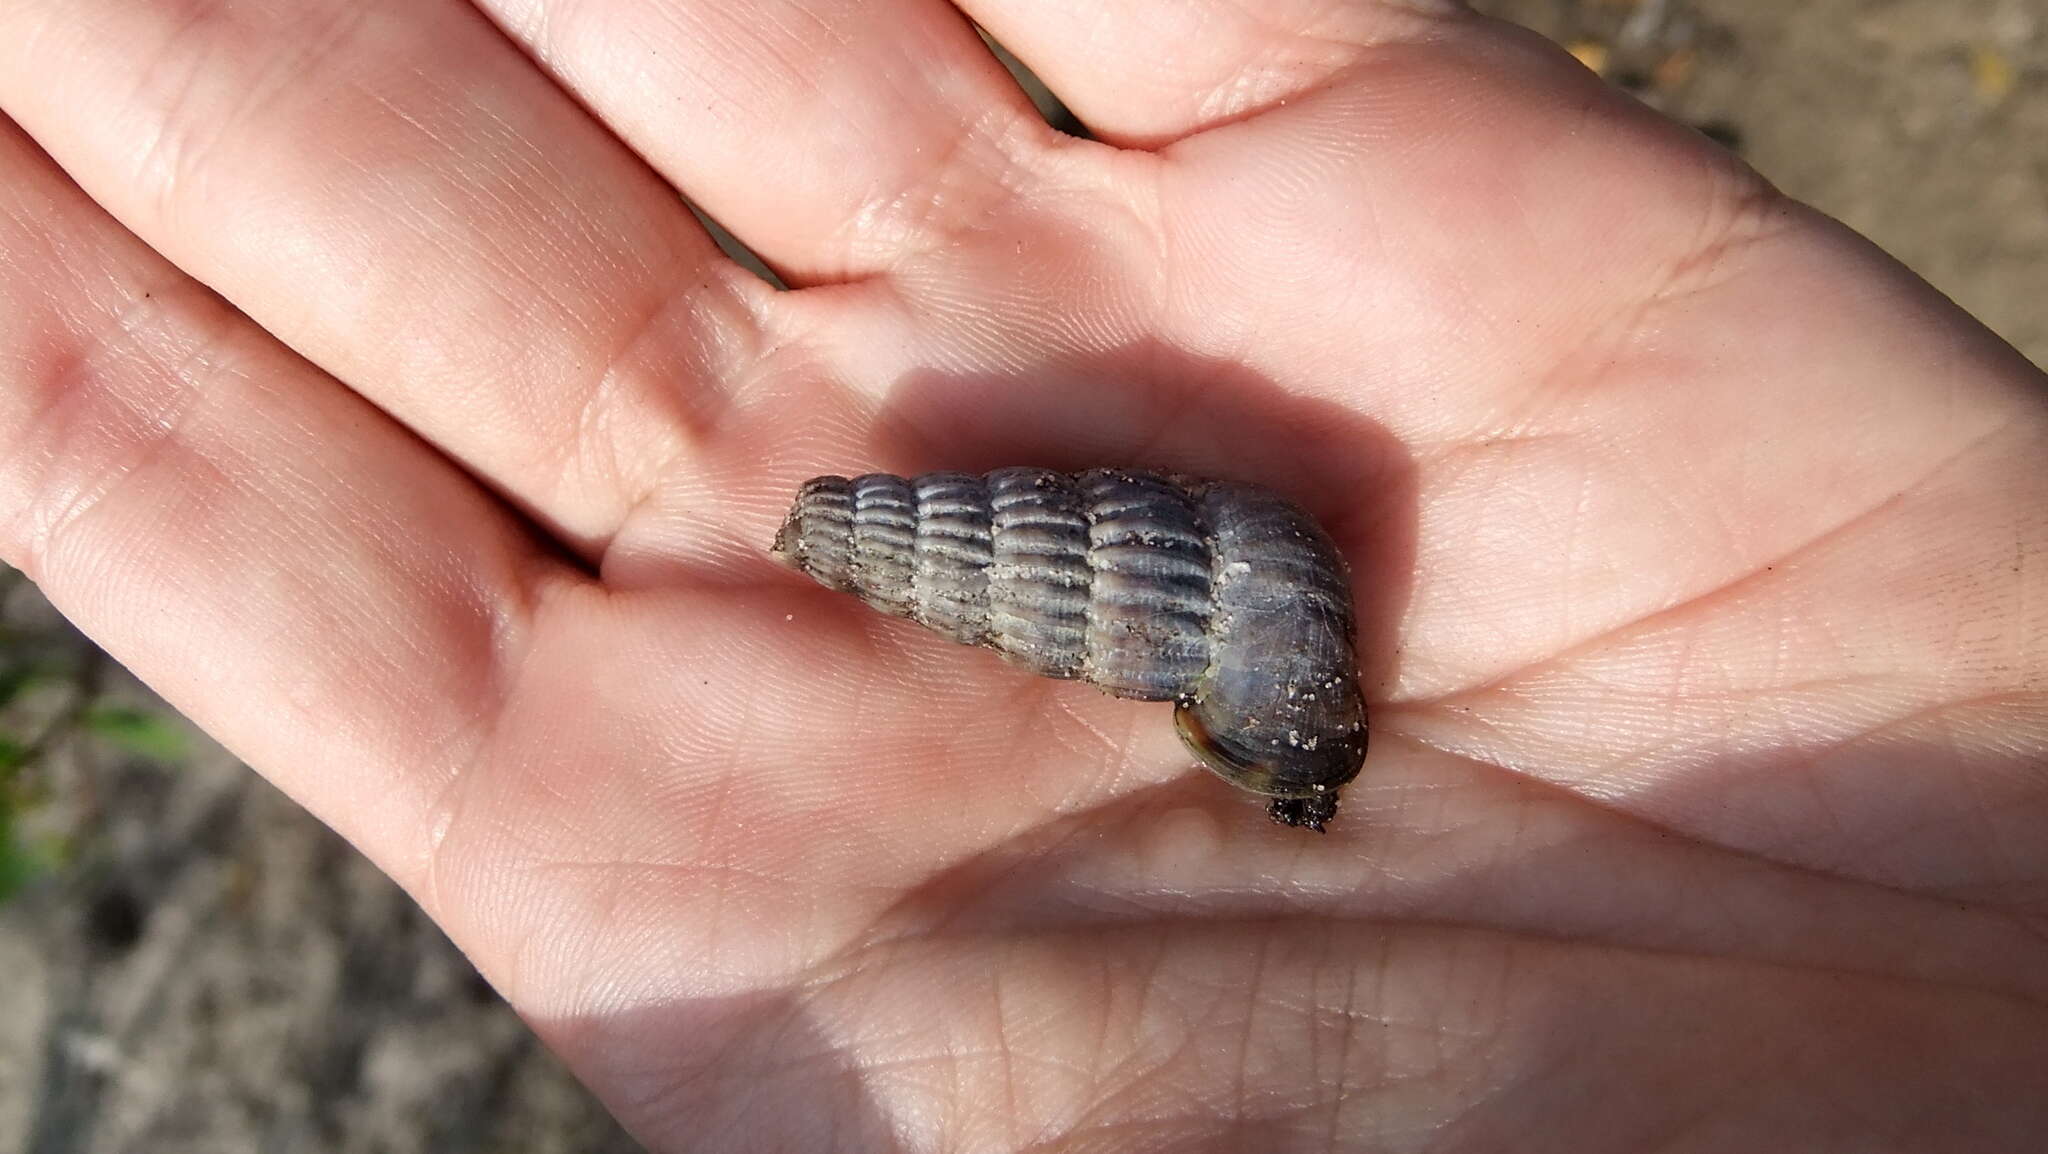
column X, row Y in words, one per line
column 1222, row 597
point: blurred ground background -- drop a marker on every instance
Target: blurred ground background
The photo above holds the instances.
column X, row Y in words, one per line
column 1921, row 123
column 189, row 963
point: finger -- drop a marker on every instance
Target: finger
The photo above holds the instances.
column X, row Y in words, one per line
column 832, row 137
column 282, row 562
column 394, row 190
column 1145, row 72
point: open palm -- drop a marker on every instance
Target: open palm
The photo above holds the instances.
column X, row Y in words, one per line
column 1698, row 553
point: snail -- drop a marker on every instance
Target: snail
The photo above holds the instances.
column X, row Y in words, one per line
column 1224, row 598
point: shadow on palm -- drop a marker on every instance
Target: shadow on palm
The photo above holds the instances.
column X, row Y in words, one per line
column 995, row 730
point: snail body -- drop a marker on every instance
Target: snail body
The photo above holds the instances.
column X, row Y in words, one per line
column 1221, row 597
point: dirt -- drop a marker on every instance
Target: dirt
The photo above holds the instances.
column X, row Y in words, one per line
column 205, row 968
column 213, row 971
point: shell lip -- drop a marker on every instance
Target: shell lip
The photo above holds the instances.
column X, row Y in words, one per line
column 1248, row 774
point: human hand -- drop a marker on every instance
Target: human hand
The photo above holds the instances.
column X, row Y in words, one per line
column 1698, row 549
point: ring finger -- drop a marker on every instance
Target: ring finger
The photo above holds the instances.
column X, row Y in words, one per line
column 833, row 136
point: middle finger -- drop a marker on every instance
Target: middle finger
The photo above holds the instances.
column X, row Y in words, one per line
column 835, row 137
column 392, row 188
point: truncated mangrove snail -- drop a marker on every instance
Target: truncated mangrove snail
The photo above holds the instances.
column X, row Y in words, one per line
column 1224, row 598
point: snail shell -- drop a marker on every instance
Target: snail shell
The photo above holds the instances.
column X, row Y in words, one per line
column 1222, row 597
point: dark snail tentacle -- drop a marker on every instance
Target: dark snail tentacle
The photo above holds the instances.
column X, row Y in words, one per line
column 1222, row 597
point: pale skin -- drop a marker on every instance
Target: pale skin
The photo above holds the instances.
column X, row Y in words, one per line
column 367, row 389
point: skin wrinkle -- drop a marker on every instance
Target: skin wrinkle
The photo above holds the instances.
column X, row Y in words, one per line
column 777, row 47
column 1575, row 522
column 857, row 970
column 1163, row 144
column 533, row 174
column 2004, row 862
column 1130, row 1084
column 2013, row 917
column 1261, row 957
column 530, row 170
column 514, row 624
column 157, row 176
column 1630, row 764
column 1932, row 710
column 1132, row 186
column 1757, row 215
column 798, row 55
column 737, row 403
column 675, row 1095
column 1735, row 586
column 721, row 895
column 1148, row 980
column 1633, row 822
column 60, row 390
column 1452, row 458
column 1071, row 828
column 1983, row 809
column 1118, row 751
column 1585, row 366
column 1803, row 760
column 1178, row 108
column 1734, row 216
column 419, row 226
column 197, row 363
column 894, row 227
column 1350, row 1015
column 1270, row 79
column 1125, row 1077
column 596, row 417
column 1074, row 1138
column 570, row 448
column 1191, row 403
column 166, row 189
column 1612, row 805
column 532, row 24
column 642, row 868
column 1501, row 992
column 1734, row 1093
column 333, row 30
column 590, row 430
column 1002, row 1050
column 881, row 216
